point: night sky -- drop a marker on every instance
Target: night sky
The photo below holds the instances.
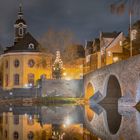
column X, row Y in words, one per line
column 85, row 18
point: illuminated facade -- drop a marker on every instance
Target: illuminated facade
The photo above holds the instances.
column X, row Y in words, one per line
column 103, row 51
column 24, row 62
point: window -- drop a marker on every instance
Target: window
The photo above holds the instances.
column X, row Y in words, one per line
column 16, row 119
column 31, row 63
column 16, row 79
column 30, row 135
column 6, row 64
column 21, row 31
column 31, row 79
column 15, row 135
column 31, row 46
column 16, row 63
column 6, row 80
column 30, row 120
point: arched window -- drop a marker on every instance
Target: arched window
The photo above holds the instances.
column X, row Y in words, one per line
column 30, row 120
column 15, row 135
column 21, row 31
column 30, row 135
column 6, row 64
column 31, row 63
column 16, row 79
column 31, row 79
column 16, row 63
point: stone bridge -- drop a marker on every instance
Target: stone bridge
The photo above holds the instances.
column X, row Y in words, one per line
column 119, row 82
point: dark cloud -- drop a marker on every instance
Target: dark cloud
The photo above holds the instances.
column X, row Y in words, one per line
column 83, row 17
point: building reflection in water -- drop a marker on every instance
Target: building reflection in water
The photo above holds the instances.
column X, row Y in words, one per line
column 92, row 122
column 31, row 123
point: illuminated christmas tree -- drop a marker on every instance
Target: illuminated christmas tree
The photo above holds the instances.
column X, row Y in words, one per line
column 57, row 67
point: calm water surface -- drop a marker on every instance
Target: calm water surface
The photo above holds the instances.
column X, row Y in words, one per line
column 69, row 122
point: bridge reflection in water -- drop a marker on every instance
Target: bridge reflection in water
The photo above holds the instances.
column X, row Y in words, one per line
column 92, row 122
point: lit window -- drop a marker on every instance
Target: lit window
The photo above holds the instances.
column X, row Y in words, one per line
column 30, row 135
column 31, row 79
column 16, row 79
column 15, row 135
column 16, row 63
column 109, row 53
column 31, row 63
column 115, row 59
column 121, row 43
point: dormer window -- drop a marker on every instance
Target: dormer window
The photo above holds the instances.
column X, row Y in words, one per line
column 31, row 46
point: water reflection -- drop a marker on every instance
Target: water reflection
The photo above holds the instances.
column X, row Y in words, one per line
column 92, row 122
column 43, row 123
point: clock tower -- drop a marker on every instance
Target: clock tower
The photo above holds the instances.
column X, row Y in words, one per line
column 20, row 26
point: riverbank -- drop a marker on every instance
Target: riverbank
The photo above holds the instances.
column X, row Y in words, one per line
column 42, row 101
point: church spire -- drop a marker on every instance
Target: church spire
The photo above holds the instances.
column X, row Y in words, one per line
column 20, row 26
column 20, row 13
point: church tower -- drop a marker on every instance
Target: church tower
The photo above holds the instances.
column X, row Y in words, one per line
column 20, row 26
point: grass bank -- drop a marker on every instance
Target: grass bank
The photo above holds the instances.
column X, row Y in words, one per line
column 59, row 100
column 44, row 101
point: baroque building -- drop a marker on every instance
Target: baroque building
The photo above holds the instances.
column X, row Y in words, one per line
column 23, row 63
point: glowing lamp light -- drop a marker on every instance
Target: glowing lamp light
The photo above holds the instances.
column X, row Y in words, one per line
column 11, row 93
column 25, row 114
column 30, row 117
column 26, row 85
column 10, row 109
column 64, row 125
column 67, row 122
column 115, row 59
column 30, row 84
column 64, row 74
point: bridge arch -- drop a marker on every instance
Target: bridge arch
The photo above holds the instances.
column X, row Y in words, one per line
column 113, row 93
column 113, row 89
column 89, row 91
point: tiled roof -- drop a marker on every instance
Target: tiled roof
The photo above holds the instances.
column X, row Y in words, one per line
column 23, row 45
column 110, row 34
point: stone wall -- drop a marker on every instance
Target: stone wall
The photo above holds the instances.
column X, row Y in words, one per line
column 62, row 88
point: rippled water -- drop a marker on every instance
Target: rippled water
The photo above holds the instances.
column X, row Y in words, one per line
column 69, row 122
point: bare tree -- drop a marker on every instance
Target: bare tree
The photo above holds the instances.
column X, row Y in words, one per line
column 73, row 52
column 57, row 40
column 120, row 6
